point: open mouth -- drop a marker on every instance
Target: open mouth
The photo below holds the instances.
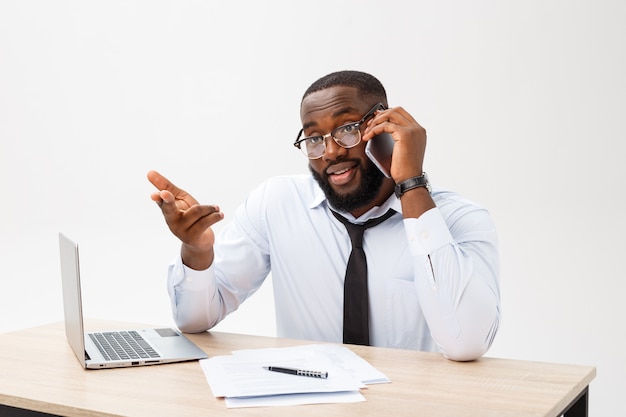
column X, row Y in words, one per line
column 342, row 173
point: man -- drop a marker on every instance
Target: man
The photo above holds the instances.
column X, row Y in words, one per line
column 431, row 276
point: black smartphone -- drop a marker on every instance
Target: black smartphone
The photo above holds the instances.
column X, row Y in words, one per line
column 379, row 150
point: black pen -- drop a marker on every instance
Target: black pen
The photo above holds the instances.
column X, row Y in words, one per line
column 301, row 372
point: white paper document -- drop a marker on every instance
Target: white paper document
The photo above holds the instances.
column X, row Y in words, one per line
column 243, row 381
column 295, row 399
column 340, row 356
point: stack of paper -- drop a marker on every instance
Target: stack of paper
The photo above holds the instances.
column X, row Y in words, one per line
column 243, row 381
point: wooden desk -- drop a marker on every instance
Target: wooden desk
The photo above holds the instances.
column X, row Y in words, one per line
column 39, row 372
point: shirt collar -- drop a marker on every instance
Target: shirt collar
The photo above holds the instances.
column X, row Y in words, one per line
column 319, row 200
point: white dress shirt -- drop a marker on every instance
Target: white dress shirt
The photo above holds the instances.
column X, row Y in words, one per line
column 433, row 281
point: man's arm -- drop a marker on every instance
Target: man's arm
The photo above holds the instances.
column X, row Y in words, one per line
column 460, row 299
column 202, row 293
column 456, row 266
column 408, row 155
column 188, row 220
column 190, row 283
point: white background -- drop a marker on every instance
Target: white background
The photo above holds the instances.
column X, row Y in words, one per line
column 524, row 103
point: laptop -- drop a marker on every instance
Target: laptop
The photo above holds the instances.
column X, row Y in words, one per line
column 115, row 349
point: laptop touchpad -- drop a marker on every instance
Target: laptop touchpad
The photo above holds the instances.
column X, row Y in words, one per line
column 166, row 332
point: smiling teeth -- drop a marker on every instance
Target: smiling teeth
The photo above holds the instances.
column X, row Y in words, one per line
column 341, row 172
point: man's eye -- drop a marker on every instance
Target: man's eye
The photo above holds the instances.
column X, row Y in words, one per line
column 314, row 140
column 347, row 129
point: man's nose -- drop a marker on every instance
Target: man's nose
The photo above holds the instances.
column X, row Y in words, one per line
column 333, row 150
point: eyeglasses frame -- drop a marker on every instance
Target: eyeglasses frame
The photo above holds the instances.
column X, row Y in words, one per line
column 357, row 125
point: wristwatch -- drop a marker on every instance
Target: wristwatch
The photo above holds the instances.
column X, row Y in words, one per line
column 409, row 184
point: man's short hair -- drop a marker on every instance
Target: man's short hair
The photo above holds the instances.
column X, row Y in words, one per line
column 367, row 85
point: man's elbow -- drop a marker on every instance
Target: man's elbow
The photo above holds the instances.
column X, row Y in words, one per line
column 464, row 353
column 190, row 325
column 190, row 328
column 473, row 346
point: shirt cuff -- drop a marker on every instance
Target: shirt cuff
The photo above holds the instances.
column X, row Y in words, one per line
column 185, row 278
column 427, row 233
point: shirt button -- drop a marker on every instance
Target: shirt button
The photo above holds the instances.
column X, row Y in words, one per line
column 425, row 235
column 188, row 279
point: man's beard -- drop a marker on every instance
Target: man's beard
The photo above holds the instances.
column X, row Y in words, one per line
column 367, row 191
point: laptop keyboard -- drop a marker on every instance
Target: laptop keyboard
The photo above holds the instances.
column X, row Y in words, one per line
column 122, row 345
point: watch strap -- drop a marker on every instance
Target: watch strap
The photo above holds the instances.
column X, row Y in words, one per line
column 411, row 183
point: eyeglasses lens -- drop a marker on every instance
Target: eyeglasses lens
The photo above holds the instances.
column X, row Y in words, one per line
column 313, row 148
column 348, row 136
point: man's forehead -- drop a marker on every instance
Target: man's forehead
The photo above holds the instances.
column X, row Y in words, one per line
column 336, row 100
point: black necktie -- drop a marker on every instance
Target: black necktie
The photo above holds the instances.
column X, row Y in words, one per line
column 355, row 296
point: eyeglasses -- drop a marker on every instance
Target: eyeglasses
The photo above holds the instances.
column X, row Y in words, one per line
column 346, row 136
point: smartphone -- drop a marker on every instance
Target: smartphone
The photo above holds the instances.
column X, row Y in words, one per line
column 379, row 150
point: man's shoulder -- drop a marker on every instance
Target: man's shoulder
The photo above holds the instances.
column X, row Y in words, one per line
column 454, row 206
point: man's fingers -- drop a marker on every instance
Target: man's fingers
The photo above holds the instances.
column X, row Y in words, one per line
column 156, row 197
column 205, row 222
column 166, row 201
column 188, row 225
column 169, row 193
column 210, row 214
column 184, row 219
column 162, row 183
column 182, row 212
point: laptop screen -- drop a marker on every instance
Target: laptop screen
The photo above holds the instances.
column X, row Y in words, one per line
column 72, row 303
